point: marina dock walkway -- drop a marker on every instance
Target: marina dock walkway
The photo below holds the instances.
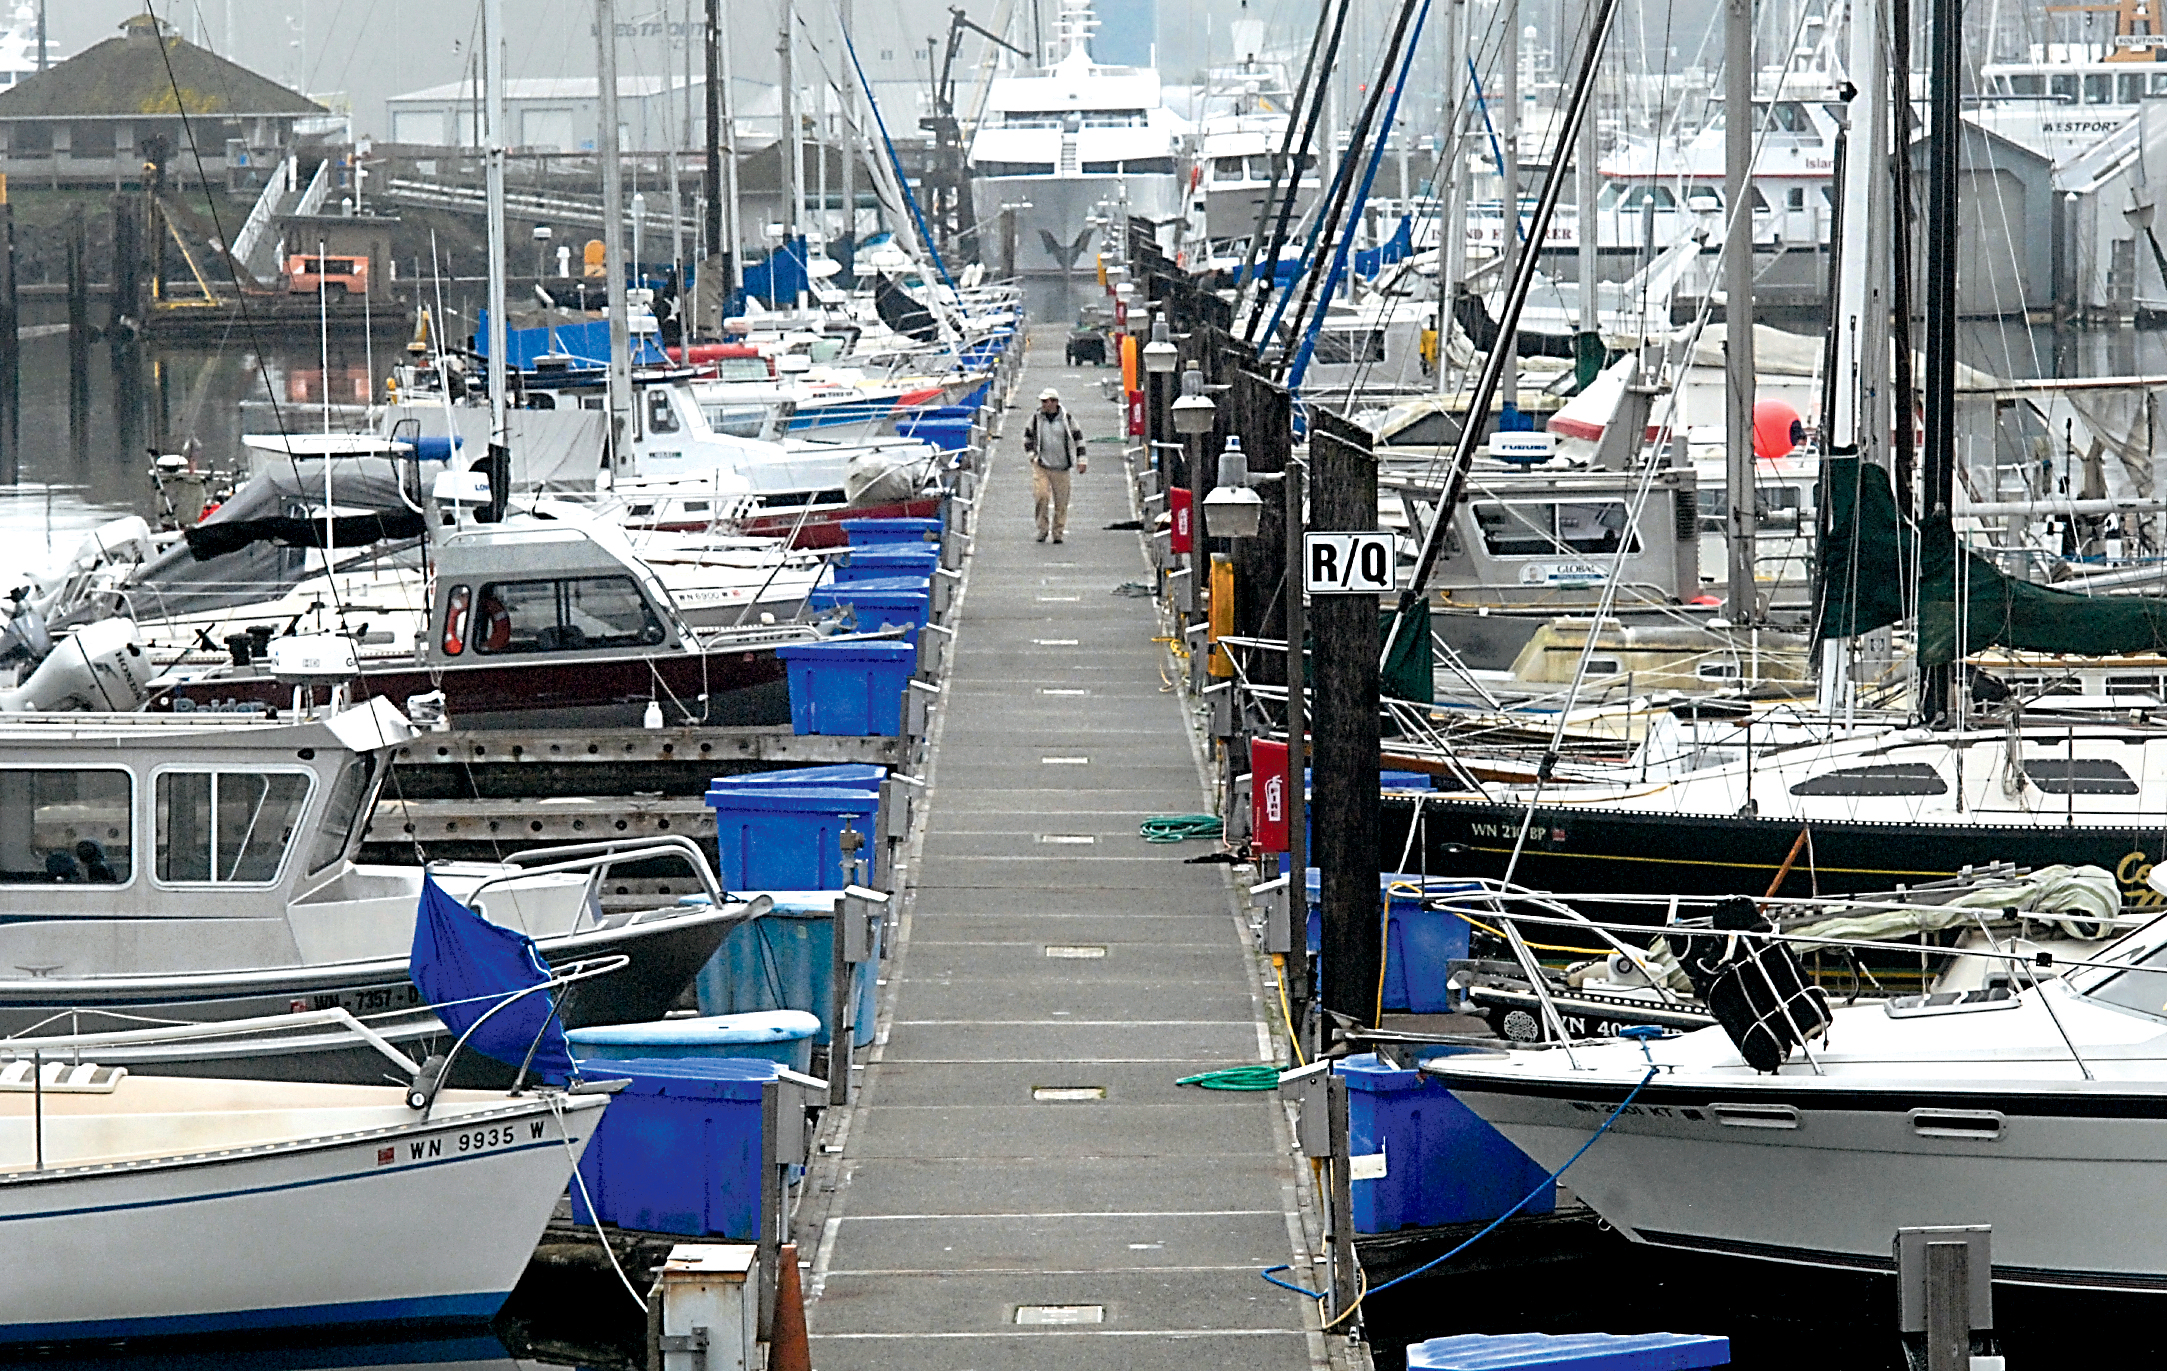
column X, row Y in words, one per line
column 978, row 1222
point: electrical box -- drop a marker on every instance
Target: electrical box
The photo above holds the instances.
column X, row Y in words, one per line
column 1237, row 811
column 710, row 1307
column 918, row 698
column 1273, row 900
column 1911, row 1283
column 1181, row 590
column 862, row 910
column 1221, row 699
column 1309, row 1088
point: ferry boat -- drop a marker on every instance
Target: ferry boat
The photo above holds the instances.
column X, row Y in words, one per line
column 1073, row 135
column 2060, row 98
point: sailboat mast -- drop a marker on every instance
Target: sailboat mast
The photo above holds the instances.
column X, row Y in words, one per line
column 493, row 50
column 1944, row 134
column 1452, row 179
column 713, row 91
column 1508, row 132
column 613, row 231
column 1742, row 527
column 793, row 140
column 849, row 132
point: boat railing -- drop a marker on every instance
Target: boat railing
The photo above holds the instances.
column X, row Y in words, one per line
column 597, row 858
column 73, row 1048
column 2032, row 966
column 429, row 1079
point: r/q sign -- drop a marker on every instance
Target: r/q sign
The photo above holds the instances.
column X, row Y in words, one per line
column 1349, row 564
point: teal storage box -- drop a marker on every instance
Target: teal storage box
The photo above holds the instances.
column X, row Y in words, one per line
column 785, row 960
column 787, row 837
column 848, row 689
column 678, row 1150
column 774, row 1035
column 1442, row 1163
column 845, row 776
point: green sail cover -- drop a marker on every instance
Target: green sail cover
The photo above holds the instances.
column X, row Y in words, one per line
column 2000, row 610
column 1862, row 575
column 1411, row 674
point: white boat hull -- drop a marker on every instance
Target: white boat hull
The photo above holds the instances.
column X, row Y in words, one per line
column 408, row 1223
column 2073, row 1180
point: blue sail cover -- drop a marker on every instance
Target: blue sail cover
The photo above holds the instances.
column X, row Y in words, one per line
column 463, row 964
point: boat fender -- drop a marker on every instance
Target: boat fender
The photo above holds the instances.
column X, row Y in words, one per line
column 427, row 1082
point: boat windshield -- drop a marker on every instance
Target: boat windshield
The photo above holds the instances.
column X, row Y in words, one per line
column 2143, row 987
column 349, row 804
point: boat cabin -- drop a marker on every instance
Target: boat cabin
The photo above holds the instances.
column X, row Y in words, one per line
column 547, row 585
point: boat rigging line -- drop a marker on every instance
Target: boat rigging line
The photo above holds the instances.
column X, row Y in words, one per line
column 1493, row 368
column 1318, row 98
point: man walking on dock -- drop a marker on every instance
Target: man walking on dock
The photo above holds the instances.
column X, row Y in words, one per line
column 1054, row 444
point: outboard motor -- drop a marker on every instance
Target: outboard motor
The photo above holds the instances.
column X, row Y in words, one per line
column 99, row 666
column 1754, row 987
column 23, row 634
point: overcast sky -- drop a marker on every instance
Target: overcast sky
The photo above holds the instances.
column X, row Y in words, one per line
column 374, row 49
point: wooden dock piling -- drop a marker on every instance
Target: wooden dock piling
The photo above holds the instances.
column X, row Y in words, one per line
column 78, row 333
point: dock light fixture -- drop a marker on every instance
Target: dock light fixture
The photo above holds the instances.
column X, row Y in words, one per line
column 1233, row 510
column 1160, row 354
column 1194, row 411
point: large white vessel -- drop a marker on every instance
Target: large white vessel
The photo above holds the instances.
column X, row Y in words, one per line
column 1070, row 141
column 2060, row 98
column 19, row 47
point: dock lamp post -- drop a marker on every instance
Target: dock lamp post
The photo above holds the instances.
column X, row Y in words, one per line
column 1233, row 510
column 1234, row 469
column 1161, row 359
column 1194, row 411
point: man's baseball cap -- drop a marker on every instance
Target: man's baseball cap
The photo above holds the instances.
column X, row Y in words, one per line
column 1049, row 393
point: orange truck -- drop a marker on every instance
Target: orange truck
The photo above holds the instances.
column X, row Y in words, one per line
column 306, row 272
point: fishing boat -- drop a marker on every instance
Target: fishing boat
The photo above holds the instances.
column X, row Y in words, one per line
column 549, row 619
column 160, row 869
column 269, row 1205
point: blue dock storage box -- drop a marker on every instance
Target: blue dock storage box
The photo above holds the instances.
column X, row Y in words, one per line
column 1570, row 1352
column 785, row 837
column 891, row 601
column 785, row 960
column 848, row 689
column 678, row 1150
column 775, row 1035
column 1419, row 943
column 888, row 561
column 867, row 532
column 1443, row 1164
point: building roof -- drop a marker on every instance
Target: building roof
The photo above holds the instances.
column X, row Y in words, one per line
column 544, row 88
column 129, row 76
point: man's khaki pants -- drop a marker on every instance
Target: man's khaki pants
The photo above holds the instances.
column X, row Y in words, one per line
column 1049, row 493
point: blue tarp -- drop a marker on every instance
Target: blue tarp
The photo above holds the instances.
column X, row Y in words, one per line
column 779, row 279
column 463, row 965
column 587, row 344
column 1370, row 261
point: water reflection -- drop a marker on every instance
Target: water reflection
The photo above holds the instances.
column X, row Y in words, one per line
column 463, row 1352
column 145, row 398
